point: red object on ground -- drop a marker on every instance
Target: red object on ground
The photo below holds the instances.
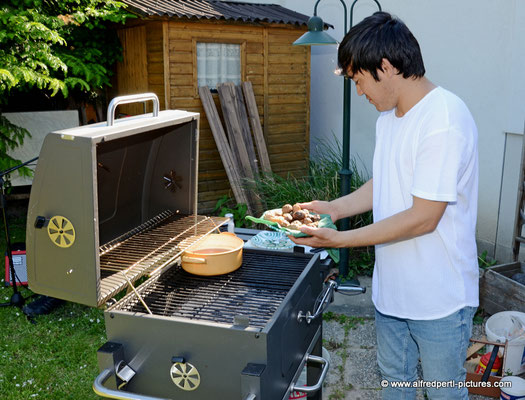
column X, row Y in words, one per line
column 483, row 364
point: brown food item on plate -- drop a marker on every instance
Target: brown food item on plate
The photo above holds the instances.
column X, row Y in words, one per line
column 299, row 215
column 296, row 225
column 269, row 216
column 287, row 209
column 288, row 217
column 315, row 217
column 293, row 217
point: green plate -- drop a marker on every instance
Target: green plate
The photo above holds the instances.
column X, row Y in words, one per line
column 324, row 222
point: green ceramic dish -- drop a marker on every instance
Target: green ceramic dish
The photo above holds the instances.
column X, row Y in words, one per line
column 325, row 222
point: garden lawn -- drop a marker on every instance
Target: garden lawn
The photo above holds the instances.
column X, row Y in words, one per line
column 52, row 357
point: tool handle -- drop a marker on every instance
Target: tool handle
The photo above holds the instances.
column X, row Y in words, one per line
column 493, row 356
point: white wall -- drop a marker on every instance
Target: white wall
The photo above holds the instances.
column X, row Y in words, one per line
column 476, row 49
column 39, row 124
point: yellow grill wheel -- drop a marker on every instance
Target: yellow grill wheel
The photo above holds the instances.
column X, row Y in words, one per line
column 61, row 231
column 185, row 376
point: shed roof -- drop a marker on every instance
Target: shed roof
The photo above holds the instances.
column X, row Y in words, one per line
column 219, row 10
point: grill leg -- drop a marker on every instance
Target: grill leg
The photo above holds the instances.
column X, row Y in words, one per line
column 109, row 355
column 251, row 381
column 313, row 373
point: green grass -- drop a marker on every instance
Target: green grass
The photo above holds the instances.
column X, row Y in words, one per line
column 17, row 231
column 52, row 358
column 55, row 355
column 321, row 183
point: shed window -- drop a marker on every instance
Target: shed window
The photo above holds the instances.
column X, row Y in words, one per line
column 218, row 63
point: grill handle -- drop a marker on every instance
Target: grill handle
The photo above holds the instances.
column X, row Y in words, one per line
column 331, row 287
column 133, row 98
column 195, row 260
column 312, row 389
column 101, row 390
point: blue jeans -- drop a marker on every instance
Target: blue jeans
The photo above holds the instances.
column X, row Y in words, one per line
column 440, row 344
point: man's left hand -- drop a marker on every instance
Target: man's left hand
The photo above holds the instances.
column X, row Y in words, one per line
column 318, row 237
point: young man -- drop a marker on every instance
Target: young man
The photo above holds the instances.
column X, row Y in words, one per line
column 423, row 194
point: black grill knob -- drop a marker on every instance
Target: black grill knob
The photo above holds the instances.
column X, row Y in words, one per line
column 40, row 222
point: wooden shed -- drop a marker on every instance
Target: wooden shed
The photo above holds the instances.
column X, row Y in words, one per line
column 165, row 52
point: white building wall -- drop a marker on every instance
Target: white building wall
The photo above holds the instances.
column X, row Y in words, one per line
column 474, row 48
column 39, row 124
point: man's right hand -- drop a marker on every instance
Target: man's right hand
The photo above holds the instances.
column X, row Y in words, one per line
column 321, row 207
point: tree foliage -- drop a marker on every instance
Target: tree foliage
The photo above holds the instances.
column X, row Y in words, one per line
column 64, row 47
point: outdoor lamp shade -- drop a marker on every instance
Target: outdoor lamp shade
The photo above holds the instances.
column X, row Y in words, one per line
column 315, row 34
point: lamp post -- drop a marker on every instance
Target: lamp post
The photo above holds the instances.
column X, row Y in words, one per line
column 316, row 36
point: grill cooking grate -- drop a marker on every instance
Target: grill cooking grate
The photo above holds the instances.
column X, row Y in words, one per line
column 255, row 290
column 155, row 244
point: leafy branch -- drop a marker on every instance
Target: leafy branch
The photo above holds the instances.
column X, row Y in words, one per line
column 62, row 47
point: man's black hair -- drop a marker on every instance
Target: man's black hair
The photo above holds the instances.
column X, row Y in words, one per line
column 376, row 37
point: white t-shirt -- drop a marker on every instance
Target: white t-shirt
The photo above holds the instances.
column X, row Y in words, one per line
column 431, row 153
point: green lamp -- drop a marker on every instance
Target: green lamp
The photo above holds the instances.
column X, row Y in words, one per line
column 315, row 34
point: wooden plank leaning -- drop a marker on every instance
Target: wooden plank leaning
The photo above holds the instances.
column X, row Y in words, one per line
column 233, row 126
column 230, row 165
column 245, row 127
column 255, row 122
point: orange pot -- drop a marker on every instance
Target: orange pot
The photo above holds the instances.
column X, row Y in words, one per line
column 216, row 254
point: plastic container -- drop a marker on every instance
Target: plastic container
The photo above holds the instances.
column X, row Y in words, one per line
column 483, row 365
column 297, row 395
column 231, row 223
column 496, row 328
column 516, row 392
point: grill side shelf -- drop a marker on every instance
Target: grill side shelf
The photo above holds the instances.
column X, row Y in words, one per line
column 152, row 247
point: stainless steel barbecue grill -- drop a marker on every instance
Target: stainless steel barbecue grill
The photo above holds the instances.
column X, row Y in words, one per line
column 112, row 203
column 238, row 332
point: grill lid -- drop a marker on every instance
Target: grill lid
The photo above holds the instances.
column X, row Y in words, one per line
column 111, row 202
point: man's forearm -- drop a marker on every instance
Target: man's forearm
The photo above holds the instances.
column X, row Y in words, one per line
column 420, row 219
column 423, row 217
column 354, row 203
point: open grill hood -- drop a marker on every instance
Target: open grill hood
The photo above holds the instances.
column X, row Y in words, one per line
column 110, row 203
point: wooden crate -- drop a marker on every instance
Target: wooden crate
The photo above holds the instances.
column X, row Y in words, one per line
column 472, row 362
column 498, row 292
